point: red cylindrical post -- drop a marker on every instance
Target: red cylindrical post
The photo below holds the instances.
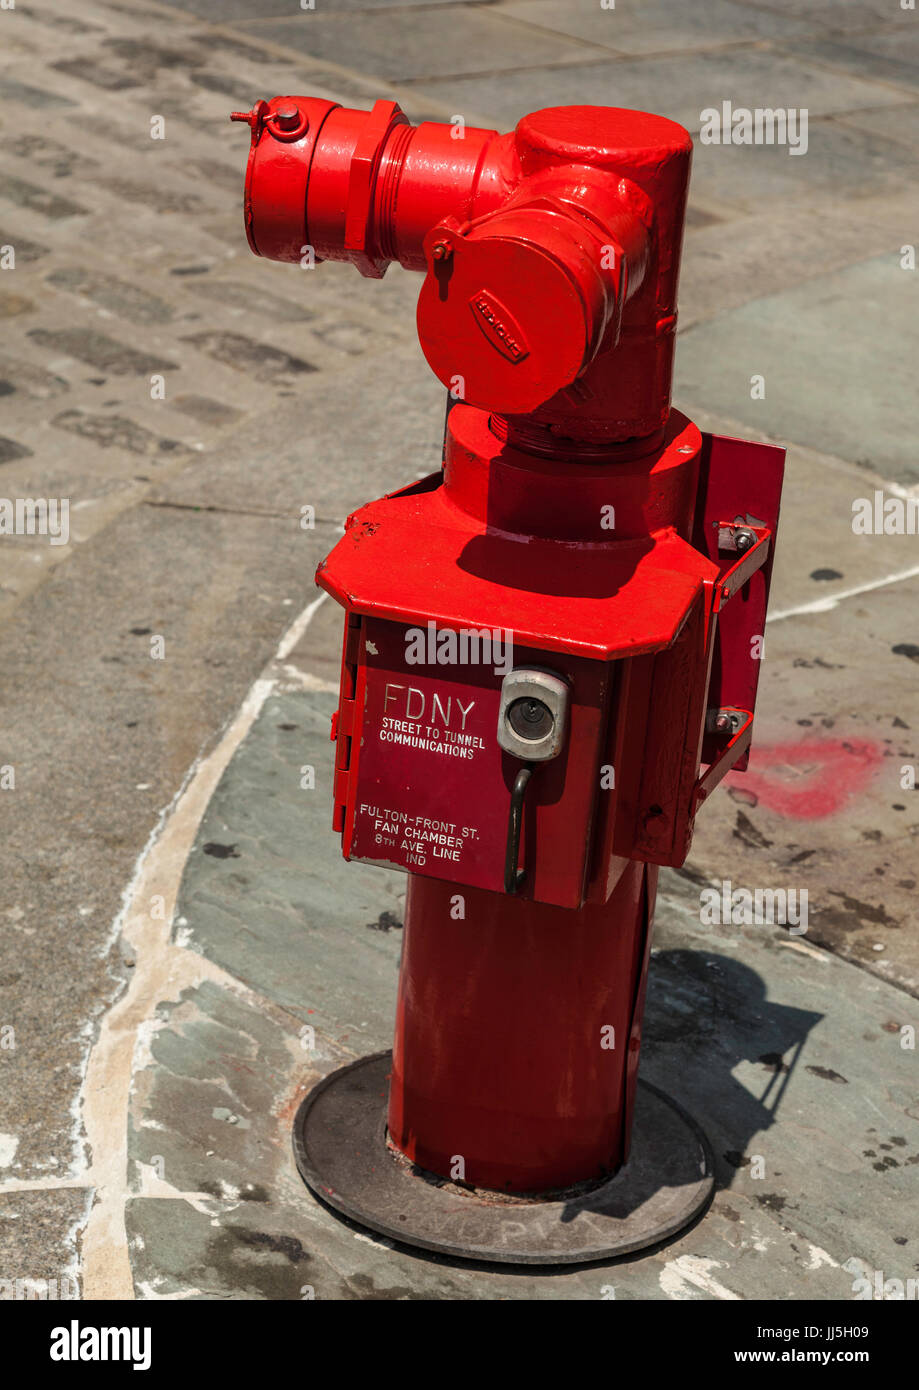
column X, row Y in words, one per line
column 514, row 1027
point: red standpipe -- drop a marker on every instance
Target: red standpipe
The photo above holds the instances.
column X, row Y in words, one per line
column 578, row 512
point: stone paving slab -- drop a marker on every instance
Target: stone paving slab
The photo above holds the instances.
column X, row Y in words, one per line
column 886, row 57
column 860, row 15
column 900, row 123
column 841, row 160
column 438, row 42
column 855, row 404
column 329, row 450
column 732, row 258
column 37, row 1237
column 660, row 26
column 686, row 85
column 231, row 10
column 326, row 957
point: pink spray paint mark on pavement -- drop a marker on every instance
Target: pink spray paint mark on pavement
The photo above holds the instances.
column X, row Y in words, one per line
column 812, row 779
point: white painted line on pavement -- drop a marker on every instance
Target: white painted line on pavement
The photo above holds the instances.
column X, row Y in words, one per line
column 826, row 605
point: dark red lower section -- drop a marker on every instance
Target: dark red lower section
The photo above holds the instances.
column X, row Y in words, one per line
column 500, row 1056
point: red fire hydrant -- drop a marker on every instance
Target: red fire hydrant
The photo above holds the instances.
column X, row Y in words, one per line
column 550, row 660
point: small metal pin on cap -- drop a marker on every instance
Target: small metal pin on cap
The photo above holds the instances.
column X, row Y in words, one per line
column 288, row 117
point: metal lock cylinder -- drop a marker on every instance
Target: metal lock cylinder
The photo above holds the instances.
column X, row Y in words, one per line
column 533, row 714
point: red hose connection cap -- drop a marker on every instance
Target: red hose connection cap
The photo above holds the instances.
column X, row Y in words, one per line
column 284, row 134
column 514, row 305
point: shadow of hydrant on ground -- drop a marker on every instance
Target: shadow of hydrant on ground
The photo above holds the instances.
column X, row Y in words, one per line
column 707, row 1012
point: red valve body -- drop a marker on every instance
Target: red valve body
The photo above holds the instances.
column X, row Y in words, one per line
column 552, row 254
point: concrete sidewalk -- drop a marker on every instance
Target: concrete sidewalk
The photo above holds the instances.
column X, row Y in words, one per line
column 157, row 1052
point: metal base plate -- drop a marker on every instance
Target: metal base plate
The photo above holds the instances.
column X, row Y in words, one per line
column 341, row 1151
